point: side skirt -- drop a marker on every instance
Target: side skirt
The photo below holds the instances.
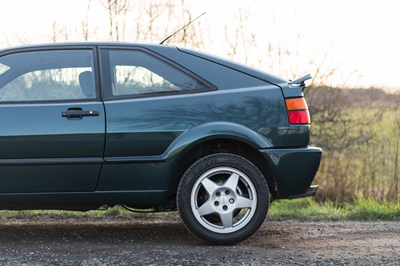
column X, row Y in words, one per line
column 81, row 201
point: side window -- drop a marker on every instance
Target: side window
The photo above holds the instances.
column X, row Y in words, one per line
column 135, row 72
column 47, row 76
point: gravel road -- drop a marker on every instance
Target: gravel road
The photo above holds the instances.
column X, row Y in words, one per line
column 166, row 242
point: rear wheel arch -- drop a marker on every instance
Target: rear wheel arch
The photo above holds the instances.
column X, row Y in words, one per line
column 214, row 146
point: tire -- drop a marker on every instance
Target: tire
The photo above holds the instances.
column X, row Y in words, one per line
column 223, row 198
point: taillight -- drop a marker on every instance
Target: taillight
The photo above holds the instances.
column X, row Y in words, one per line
column 297, row 111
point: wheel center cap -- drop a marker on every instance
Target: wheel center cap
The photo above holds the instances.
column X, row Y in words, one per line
column 224, row 200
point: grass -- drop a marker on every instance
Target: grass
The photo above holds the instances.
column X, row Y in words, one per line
column 300, row 209
column 310, row 210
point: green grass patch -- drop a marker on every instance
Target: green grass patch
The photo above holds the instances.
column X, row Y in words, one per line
column 306, row 209
column 309, row 210
column 371, row 209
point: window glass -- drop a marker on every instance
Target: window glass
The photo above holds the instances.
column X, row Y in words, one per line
column 47, row 75
column 135, row 72
column 3, row 68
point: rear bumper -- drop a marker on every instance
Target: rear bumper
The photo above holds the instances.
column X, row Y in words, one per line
column 293, row 170
column 312, row 190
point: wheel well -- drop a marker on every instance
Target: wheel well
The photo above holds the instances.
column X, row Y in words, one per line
column 220, row 146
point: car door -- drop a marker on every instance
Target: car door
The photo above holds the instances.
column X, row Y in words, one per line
column 52, row 125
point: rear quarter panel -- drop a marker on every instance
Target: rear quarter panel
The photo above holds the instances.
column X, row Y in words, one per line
column 140, row 131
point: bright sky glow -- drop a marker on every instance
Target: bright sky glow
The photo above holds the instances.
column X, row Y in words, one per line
column 358, row 39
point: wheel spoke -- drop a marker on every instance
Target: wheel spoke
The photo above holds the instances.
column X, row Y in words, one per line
column 232, row 181
column 242, row 202
column 209, row 185
column 206, row 208
column 226, row 219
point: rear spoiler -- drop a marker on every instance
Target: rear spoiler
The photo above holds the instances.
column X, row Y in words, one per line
column 301, row 81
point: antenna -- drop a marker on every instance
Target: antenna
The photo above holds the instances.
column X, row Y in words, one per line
column 190, row 22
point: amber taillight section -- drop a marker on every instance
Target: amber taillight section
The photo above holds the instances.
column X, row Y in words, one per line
column 297, row 111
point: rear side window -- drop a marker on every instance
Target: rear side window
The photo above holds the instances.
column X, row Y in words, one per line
column 134, row 72
column 3, row 68
column 47, row 76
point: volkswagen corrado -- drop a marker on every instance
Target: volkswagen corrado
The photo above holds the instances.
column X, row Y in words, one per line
column 85, row 125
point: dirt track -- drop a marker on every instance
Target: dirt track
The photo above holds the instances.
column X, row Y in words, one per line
column 160, row 242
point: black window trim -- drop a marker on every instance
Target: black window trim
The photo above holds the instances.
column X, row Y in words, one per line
column 109, row 97
column 96, row 71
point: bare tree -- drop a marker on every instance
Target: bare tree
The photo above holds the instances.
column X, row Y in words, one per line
column 8, row 43
column 192, row 35
column 241, row 39
column 117, row 13
column 85, row 23
column 157, row 19
column 394, row 190
column 147, row 21
column 59, row 32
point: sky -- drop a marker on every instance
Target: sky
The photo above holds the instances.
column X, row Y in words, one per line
column 344, row 42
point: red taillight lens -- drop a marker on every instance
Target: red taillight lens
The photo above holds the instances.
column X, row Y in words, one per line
column 299, row 117
column 297, row 111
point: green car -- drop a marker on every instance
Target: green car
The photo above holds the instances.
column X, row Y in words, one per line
column 85, row 125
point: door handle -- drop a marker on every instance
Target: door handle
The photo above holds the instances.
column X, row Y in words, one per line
column 78, row 113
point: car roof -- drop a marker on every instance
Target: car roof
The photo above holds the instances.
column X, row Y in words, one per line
column 83, row 44
column 154, row 47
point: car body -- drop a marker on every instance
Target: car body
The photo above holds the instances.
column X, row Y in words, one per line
column 85, row 125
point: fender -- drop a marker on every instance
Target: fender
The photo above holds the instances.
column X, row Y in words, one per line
column 215, row 130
